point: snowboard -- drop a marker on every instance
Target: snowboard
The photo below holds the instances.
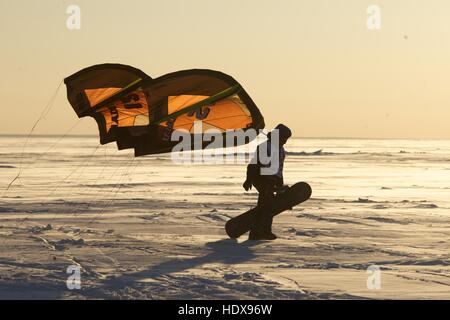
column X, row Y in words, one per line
column 293, row 196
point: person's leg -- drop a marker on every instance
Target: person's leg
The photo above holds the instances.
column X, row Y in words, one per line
column 267, row 209
column 262, row 220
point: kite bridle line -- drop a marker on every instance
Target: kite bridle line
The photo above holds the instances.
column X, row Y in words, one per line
column 44, row 113
column 130, row 165
column 22, row 167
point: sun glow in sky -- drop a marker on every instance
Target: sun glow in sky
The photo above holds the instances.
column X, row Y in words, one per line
column 313, row 64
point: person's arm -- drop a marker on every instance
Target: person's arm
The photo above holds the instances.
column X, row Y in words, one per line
column 252, row 171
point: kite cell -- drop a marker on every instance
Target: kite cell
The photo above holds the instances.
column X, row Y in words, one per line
column 142, row 113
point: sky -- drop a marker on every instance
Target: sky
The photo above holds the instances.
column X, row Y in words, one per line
column 313, row 65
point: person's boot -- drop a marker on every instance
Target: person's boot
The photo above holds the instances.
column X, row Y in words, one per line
column 267, row 233
column 271, row 236
column 255, row 235
column 264, row 232
column 257, row 232
column 260, row 236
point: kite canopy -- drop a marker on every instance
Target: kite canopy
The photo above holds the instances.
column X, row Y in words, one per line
column 139, row 112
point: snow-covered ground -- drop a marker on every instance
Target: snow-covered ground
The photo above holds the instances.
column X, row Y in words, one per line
column 147, row 228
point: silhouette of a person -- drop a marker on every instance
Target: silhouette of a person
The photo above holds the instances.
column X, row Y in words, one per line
column 266, row 184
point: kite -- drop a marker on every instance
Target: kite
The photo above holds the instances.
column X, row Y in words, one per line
column 139, row 112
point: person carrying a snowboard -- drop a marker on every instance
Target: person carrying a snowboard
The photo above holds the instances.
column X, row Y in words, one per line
column 267, row 178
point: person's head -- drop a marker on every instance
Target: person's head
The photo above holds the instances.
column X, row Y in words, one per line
column 284, row 133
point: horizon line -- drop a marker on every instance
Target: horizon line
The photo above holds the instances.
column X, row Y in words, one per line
column 294, row 137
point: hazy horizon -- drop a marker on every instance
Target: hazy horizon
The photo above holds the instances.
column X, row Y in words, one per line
column 93, row 135
column 313, row 65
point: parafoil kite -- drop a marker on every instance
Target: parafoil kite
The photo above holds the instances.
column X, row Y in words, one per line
column 139, row 112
